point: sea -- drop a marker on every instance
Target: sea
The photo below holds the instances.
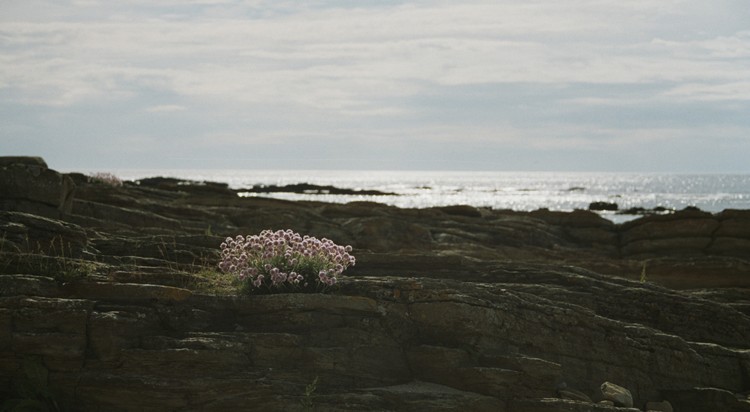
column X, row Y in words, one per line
column 521, row 191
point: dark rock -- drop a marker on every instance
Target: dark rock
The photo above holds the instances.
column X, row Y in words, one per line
column 38, row 234
column 461, row 210
column 658, row 210
column 663, row 406
column 23, row 160
column 577, row 218
column 617, row 394
column 308, row 188
column 599, row 206
column 131, row 218
column 574, row 395
column 25, row 285
column 702, row 399
column 670, row 228
column 451, row 308
column 380, row 234
column 32, row 187
column 125, row 291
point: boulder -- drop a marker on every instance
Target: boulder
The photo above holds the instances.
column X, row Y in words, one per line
column 23, row 160
column 663, row 406
column 33, row 188
column 617, row 394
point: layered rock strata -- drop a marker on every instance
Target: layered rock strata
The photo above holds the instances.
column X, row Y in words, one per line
column 114, row 299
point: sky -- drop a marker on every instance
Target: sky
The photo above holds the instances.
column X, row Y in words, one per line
column 548, row 85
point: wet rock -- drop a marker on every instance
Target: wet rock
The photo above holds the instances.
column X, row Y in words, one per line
column 600, row 206
column 658, row 210
column 308, row 188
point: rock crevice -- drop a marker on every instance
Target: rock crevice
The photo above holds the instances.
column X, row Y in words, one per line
column 114, row 293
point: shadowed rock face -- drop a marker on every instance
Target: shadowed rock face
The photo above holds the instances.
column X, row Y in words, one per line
column 27, row 184
column 447, row 309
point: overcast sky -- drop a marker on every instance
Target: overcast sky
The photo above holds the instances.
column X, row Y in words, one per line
column 574, row 85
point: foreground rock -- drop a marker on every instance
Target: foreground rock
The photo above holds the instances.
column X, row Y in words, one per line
column 116, row 305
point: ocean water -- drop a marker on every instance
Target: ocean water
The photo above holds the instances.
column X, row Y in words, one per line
column 523, row 191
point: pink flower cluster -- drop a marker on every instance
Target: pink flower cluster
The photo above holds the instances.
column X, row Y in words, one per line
column 284, row 258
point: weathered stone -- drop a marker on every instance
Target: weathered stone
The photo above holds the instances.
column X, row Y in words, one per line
column 702, row 399
column 617, row 394
column 6, row 329
column 734, row 228
column 131, row 217
column 594, row 236
column 49, row 315
column 574, row 395
column 453, row 309
column 125, row 291
column 35, row 188
column 424, row 396
column 20, row 285
column 576, row 218
column 671, row 228
column 566, row 405
column 663, row 406
column 23, row 160
column 729, row 246
column 37, row 234
column 123, row 393
column 681, row 245
column 54, row 345
column 691, row 272
column 381, row 234
column 461, row 210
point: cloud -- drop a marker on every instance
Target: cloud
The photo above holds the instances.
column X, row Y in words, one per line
column 349, row 60
column 711, row 92
column 166, row 108
column 547, row 74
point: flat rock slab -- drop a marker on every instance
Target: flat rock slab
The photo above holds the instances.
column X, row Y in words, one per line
column 126, row 291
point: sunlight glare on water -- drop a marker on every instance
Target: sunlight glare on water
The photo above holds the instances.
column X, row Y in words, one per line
column 523, row 191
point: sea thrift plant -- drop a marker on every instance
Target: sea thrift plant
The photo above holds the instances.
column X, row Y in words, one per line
column 284, row 260
column 107, row 178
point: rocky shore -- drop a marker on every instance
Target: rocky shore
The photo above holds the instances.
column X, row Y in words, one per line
column 110, row 301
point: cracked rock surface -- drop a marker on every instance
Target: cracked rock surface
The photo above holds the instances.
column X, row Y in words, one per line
column 108, row 289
